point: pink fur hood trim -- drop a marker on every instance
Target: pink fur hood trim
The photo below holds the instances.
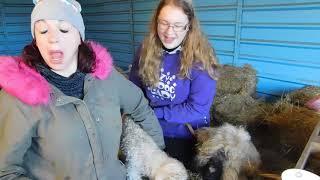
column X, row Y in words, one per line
column 23, row 82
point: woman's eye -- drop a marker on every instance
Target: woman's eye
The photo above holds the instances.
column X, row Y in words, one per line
column 43, row 32
column 64, row 31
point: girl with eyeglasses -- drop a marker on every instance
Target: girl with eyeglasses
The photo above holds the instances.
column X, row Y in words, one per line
column 176, row 68
column 61, row 103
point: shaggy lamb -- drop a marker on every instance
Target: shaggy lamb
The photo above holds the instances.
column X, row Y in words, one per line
column 227, row 146
column 144, row 158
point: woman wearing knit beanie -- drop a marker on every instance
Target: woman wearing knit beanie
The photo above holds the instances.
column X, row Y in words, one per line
column 176, row 68
column 61, row 103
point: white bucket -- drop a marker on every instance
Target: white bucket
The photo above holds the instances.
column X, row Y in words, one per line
column 298, row 174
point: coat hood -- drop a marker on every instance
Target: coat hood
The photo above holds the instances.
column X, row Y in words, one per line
column 23, row 82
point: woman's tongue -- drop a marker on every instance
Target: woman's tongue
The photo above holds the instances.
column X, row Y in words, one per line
column 56, row 55
column 168, row 40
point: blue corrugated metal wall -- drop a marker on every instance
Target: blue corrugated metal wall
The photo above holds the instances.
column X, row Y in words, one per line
column 279, row 38
column 15, row 25
column 110, row 23
column 142, row 12
column 2, row 29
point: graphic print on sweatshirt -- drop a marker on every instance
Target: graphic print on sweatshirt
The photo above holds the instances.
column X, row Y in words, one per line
column 166, row 88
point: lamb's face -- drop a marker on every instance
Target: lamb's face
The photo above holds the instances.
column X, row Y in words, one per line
column 212, row 170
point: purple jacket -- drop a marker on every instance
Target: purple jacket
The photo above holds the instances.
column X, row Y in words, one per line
column 177, row 101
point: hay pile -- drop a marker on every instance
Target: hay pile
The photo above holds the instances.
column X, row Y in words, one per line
column 283, row 133
column 236, row 80
column 303, row 95
column 236, row 109
column 234, row 102
column 296, row 123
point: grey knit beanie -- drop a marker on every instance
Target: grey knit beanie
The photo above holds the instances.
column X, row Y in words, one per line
column 66, row 10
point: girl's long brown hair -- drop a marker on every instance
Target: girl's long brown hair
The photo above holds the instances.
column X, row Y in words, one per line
column 196, row 48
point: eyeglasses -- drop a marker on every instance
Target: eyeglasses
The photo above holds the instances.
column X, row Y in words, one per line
column 177, row 27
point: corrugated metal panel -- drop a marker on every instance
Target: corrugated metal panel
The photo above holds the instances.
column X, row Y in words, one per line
column 110, row 23
column 142, row 14
column 218, row 20
column 280, row 38
column 2, row 29
column 15, row 26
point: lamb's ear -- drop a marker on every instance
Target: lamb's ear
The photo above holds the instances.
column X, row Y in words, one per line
column 202, row 135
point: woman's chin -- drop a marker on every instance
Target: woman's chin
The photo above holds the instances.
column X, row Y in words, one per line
column 170, row 45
